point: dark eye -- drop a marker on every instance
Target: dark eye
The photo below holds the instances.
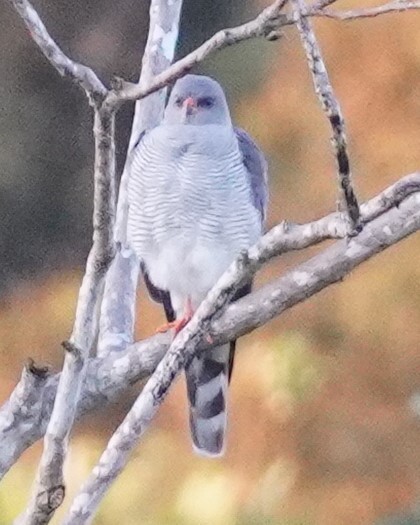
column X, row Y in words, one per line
column 205, row 102
column 178, row 102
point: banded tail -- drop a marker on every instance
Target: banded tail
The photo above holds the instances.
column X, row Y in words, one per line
column 207, row 386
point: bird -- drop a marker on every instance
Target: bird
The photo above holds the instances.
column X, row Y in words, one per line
column 197, row 197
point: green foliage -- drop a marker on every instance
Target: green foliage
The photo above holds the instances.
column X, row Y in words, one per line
column 297, row 370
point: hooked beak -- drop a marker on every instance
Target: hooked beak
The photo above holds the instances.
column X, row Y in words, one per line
column 189, row 107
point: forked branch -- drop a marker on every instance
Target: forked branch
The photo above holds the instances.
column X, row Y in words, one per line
column 49, row 491
column 82, row 75
column 302, row 282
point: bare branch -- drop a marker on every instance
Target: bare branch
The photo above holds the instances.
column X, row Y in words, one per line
column 79, row 73
column 321, row 4
column 106, row 378
column 267, row 24
column 119, row 302
column 370, row 12
column 302, row 282
column 262, row 25
column 49, row 489
column 49, row 486
column 329, row 267
column 332, row 109
column 24, row 408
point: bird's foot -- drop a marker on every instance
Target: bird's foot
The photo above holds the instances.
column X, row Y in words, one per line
column 176, row 325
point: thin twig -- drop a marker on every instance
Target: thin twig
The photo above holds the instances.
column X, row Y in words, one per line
column 332, row 109
column 262, row 25
column 321, row 4
column 299, row 284
column 370, row 12
column 268, row 23
column 79, row 73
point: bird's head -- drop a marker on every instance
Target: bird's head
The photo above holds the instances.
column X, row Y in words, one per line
column 197, row 100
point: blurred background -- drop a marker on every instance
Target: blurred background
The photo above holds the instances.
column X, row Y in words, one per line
column 325, row 401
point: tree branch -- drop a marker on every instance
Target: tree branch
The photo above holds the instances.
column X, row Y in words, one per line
column 299, row 284
column 59, row 396
column 327, row 268
column 370, row 12
column 48, row 492
column 108, row 377
column 82, row 75
column 119, row 303
column 267, row 24
column 49, row 486
column 331, row 107
column 262, row 25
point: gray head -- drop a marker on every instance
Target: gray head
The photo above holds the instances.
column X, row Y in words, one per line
column 197, row 100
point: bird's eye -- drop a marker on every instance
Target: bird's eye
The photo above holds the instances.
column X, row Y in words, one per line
column 205, row 102
column 178, row 102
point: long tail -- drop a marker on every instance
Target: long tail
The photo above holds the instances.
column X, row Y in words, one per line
column 207, row 386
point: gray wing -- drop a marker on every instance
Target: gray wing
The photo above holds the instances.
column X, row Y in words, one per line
column 142, row 134
column 257, row 169
column 159, row 296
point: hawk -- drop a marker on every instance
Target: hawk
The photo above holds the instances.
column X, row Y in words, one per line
column 197, row 196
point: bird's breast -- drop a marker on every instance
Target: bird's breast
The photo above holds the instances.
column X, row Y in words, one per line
column 190, row 210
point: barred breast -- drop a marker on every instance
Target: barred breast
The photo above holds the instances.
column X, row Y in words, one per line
column 190, row 208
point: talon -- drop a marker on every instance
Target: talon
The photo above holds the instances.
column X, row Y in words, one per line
column 165, row 327
column 178, row 324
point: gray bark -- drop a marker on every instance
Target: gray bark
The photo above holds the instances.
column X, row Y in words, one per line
column 119, row 304
column 331, row 107
column 48, row 491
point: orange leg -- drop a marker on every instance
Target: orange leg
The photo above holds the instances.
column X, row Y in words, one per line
column 178, row 324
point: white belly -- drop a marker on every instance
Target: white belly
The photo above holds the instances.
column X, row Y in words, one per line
column 188, row 269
